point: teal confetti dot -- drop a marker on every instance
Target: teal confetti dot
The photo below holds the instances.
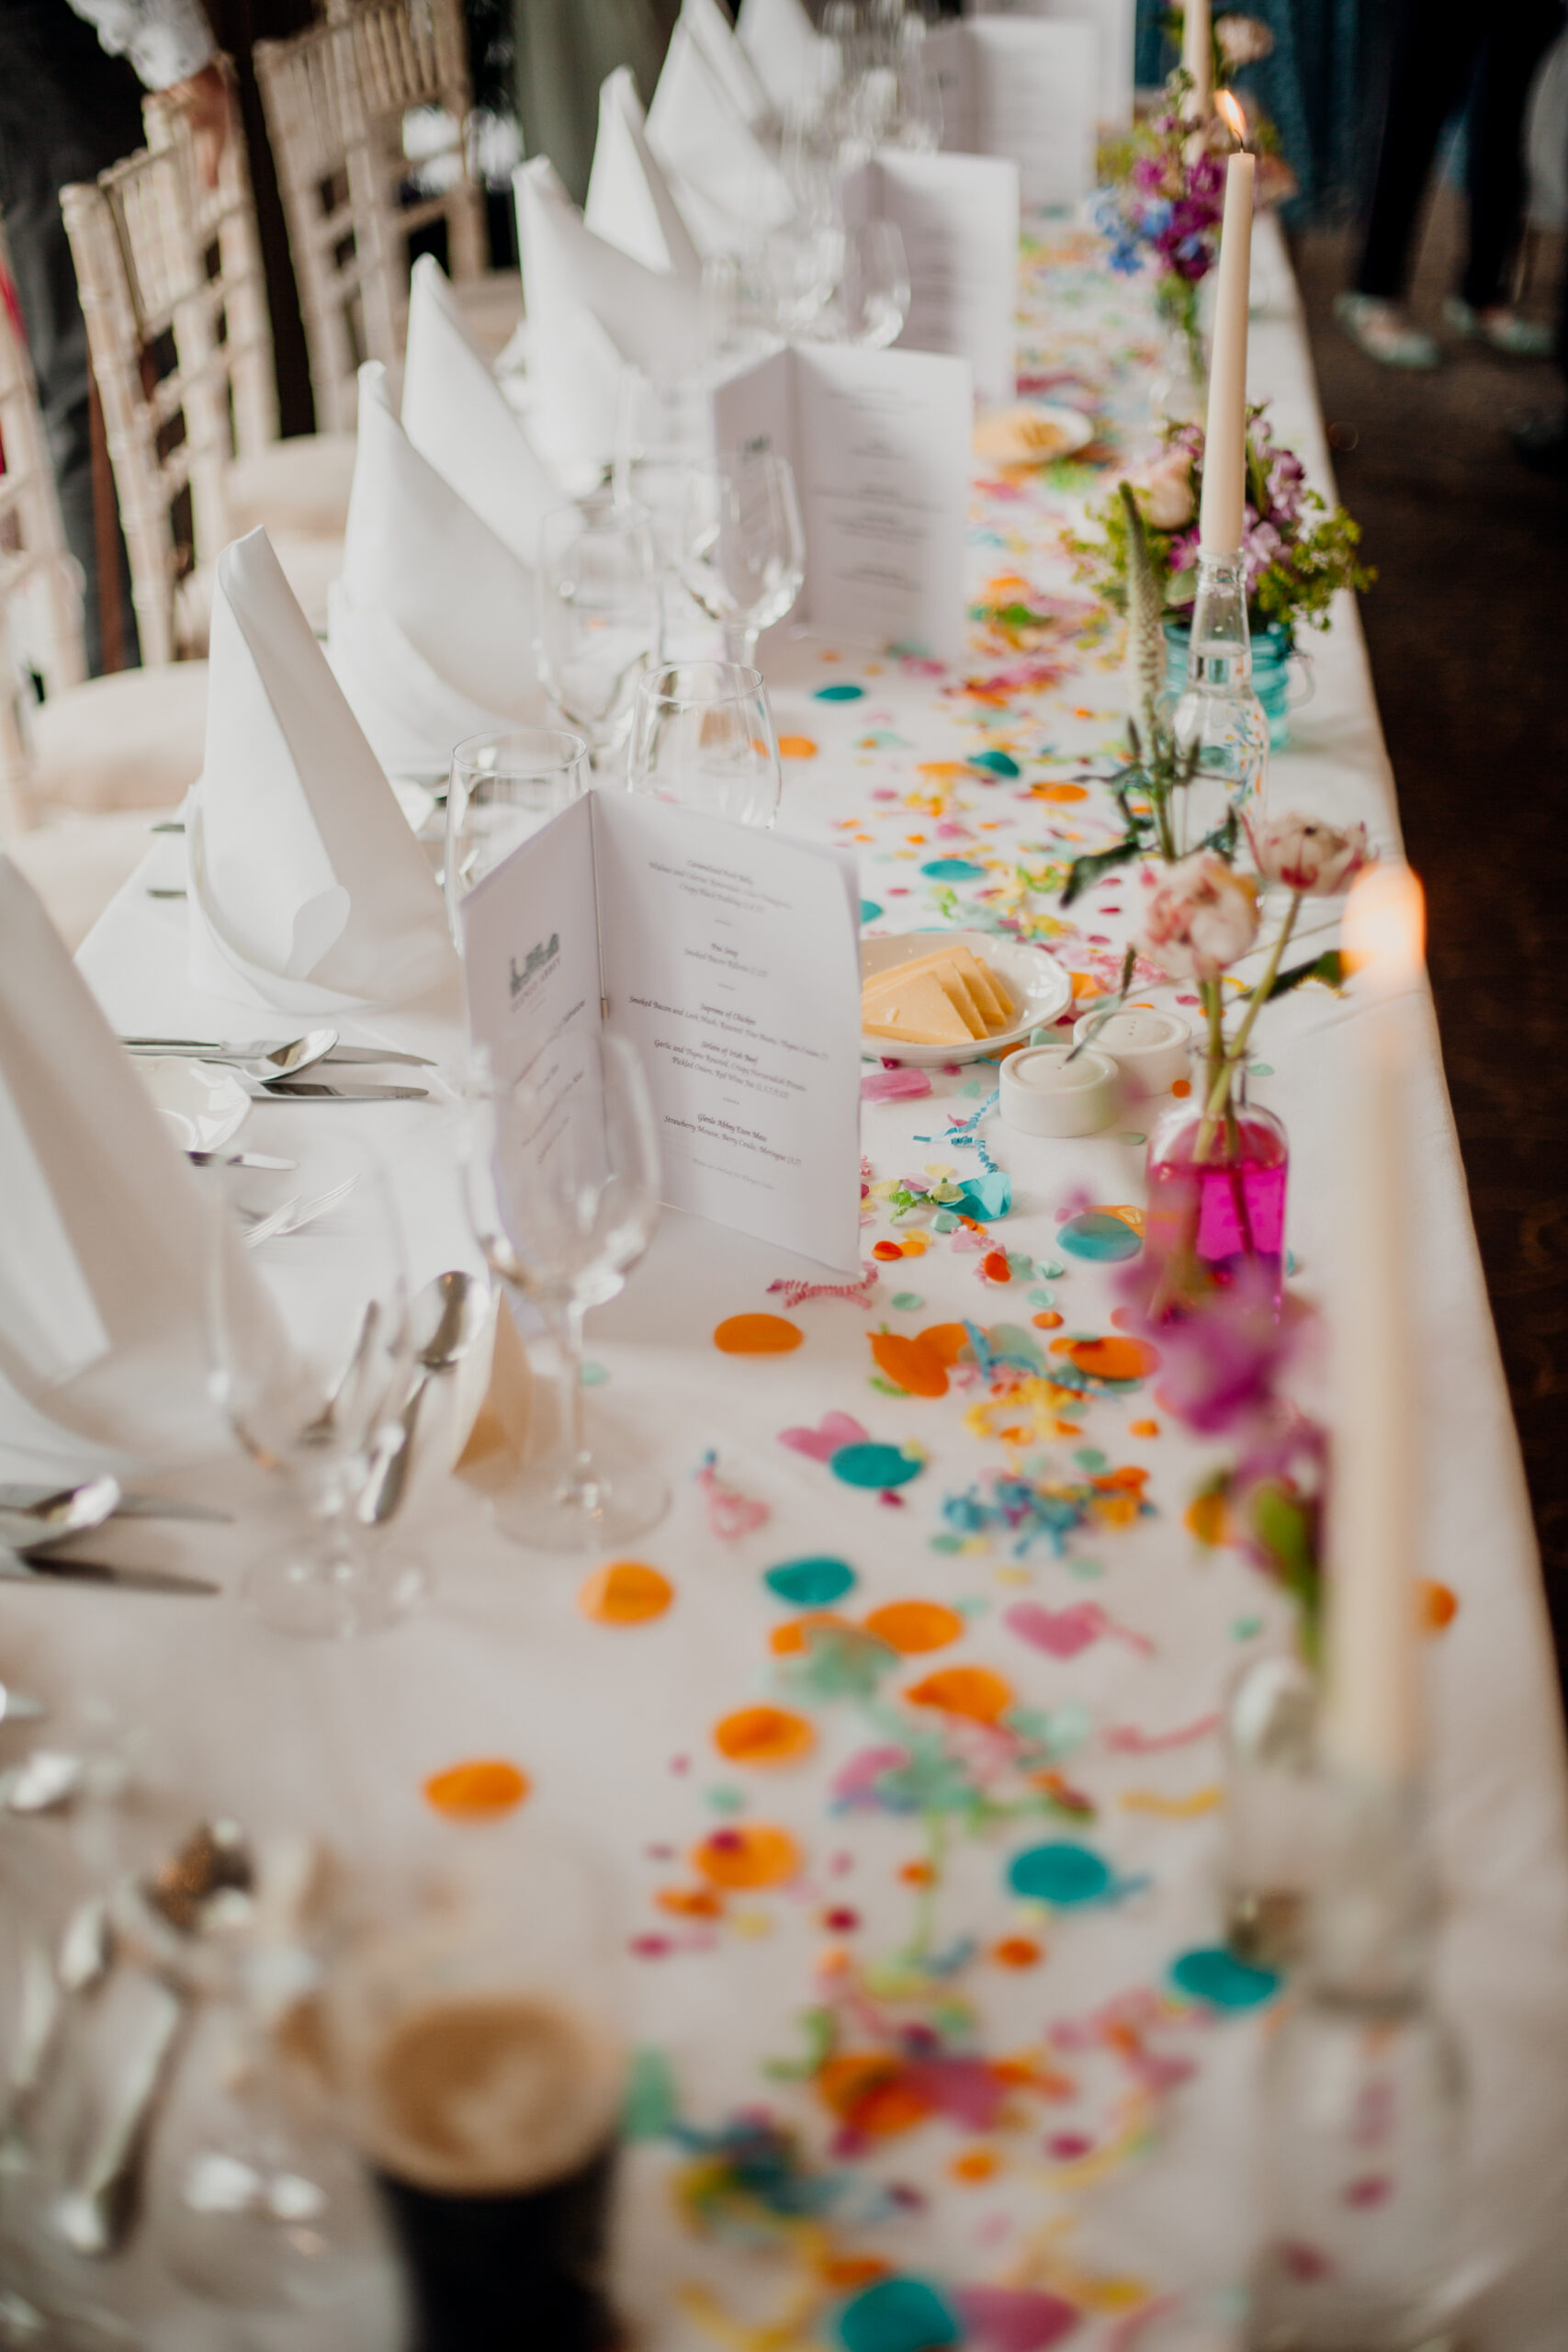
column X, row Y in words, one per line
column 989, row 1197
column 1089, row 1571
column 1291, row 1264
column 1042, row 1297
column 897, row 2315
column 874, row 1466
column 1052, row 1267
column 944, row 1222
column 840, row 694
column 1089, row 1457
column 908, row 1302
column 1213, row 1974
column 952, row 869
column 1260, row 1069
column 947, row 1542
column 869, row 911
column 999, row 763
column 727, row 1799
column 1130, row 1137
column 1020, row 1266
column 810, row 1584
column 972, row 1090
column 1099, row 1238
column 593, row 1375
column 973, row 1604
column 1063, row 1874
column 1245, row 1629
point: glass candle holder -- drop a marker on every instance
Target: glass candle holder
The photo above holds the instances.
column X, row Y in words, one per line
column 1218, row 710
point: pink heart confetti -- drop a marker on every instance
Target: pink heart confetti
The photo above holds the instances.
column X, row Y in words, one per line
column 896, row 1085
column 1014, row 2319
column 1062, row 1633
column 820, row 1444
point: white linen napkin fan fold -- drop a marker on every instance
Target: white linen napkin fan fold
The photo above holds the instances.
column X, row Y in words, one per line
column 629, row 200
column 458, row 419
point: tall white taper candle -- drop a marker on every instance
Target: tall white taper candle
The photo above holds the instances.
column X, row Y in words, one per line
column 1198, row 54
column 1225, row 447
column 1373, row 1711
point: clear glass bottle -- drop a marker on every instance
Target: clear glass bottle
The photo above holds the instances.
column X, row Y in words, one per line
column 1216, row 1192
column 1272, row 1808
column 1217, row 708
column 1362, row 2107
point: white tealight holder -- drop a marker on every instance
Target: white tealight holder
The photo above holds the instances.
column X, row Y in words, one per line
column 1151, row 1049
column 1051, row 1090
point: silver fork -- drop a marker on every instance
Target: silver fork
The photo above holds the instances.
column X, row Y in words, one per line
column 296, row 1213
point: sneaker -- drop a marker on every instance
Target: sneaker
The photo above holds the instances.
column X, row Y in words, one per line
column 1542, row 443
column 1381, row 330
column 1503, row 328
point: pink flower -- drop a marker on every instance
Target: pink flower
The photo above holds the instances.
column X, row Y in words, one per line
column 1202, row 917
column 1166, row 490
column 1303, row 853
column 1243, row 39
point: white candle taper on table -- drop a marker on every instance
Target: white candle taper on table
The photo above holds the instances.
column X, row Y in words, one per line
column 1225, row 443
column 1373, row 1709
column 1197, row 52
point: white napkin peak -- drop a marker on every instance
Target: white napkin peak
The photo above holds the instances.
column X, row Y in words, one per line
column 457, row 418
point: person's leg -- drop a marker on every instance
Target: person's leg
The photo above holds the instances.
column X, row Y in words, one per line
column 1515, row 36
column 1433, row 48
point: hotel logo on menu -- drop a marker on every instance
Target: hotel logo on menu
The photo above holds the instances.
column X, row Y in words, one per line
column 536, row 960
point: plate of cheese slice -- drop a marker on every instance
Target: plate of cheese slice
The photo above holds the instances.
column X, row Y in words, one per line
column 929, row 997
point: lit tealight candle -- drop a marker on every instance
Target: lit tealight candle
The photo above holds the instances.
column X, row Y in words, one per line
column 1372, row 1712
column 1152, row 1049
column 1054, row 1091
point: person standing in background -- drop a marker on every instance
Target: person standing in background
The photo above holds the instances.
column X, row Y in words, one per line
column 69, row 106
column 565, row 49
column 1441, row 47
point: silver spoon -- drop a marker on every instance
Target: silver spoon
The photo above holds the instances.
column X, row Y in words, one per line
column 449, row 1312
column 75, row 1510
column 262, row 1061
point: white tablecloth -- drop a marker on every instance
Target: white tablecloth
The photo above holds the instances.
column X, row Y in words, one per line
column 613, row 1726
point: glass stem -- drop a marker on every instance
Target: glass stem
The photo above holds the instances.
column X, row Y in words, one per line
column 569, row 1340
column 740, row 643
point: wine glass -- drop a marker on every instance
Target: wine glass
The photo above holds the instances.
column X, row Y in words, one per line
column 504, row 787
column 702, row 737
column 562, row 1173
column 662, row 430
column 599, row 615
column 311, row 1356
column 873, row 298
column 744, row 552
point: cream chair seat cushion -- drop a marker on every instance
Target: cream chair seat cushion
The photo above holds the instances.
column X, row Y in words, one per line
column 300, row 485
column 131, row 740
column 78, row 863
column 491, row 308
column 309, row 566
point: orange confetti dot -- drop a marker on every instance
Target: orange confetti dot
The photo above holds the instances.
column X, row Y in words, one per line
column 795, row 1632
column 887, row 1250
column 1181, row 1086
column 974, row 2164
column 627, row 1592
column 476, row 1792
column 1084, row 984
column 916, row 1874
column 912, row 1626
column 1047, row 1319
column 764, row 1735
column 797, row 747
column 870, row 2090
column 1115, row 1358
column 748, row 1854
column 758, row 1335
column 915, row 1245
column 972, row 1691
column 909, row 1363
column 1439, row 1605
column 690, row 1902
column 995, row 1267
column 851, row 2270
column 1143, row 1428
column 1016, row 1952
column 1062, row 792
column 1083, row 714
column 1208, row 1517
column 945, row 1340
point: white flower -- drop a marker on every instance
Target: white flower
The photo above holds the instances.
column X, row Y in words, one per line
column 1303, row 853
column 1243, row 39
column 1165, row 491
column 1202, row 917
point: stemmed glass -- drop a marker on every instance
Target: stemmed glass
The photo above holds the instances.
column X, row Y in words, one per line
column 504, row 787
column 744, row 552
column 702, row 737
column 801, row 264
column 311, row 1354
column 873, row 298
column 599, row 615
column 562, row 1174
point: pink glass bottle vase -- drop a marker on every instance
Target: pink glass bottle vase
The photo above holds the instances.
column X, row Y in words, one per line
column 1215, row 1216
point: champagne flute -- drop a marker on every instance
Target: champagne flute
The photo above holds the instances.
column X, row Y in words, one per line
column 702, row 737
column 744, row 552
column 504, row 787
column 562, row 1174
column 599, row 615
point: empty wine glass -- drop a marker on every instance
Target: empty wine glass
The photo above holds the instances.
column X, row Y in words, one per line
column 504, row 787
column 599, row 615
column 311, row 1355
column 744, row 554
column 873, row 298
column 562, row 1171
column 662, row 430
column 917, row 122
column 702, row 737
column 801, row 265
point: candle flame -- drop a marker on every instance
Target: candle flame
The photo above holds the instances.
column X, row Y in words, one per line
column 1385, row 930
column 1230, row 110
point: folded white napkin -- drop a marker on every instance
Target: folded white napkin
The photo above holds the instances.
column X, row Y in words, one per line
column 101, row 1252
column 308, row 892
column 782, row 48
column 431, row 628
column 653, row 316
column 457, row 418
column 705, row 24
column 728, row 187
column 629, row 202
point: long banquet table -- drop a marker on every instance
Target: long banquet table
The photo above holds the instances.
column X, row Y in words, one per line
column 1117, row 2168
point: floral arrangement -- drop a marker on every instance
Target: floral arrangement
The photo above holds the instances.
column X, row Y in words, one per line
column 1298, row 550
column 1160, row 204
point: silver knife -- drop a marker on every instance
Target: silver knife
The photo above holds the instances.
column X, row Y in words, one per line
column 49, row 1567
column 20, row 1496
column 306, row 1090
column 260, row 1046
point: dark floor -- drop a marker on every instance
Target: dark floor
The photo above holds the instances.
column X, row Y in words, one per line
column 1468, row 628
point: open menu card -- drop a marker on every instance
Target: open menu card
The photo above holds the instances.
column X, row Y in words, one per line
column 1025, row 87
column 728, row 957
column 1115, row 23
column 879, row 444
column 958, row 217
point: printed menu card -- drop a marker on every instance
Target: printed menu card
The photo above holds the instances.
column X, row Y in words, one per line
column 728, row 957
column 1026, row 88
column 958, row 217
column 879, row 444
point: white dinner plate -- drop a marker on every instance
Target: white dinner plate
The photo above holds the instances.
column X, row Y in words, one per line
column 203, row 1102
column 1030, row 433
column 1038, row 985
